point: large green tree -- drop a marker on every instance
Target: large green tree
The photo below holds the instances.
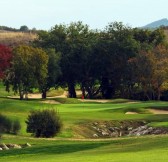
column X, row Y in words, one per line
column 54, row 71
column 73, row 43
column 114, row 49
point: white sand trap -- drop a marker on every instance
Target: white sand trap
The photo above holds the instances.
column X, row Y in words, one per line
column 95, row 100
column 156, row 111
column 35, row 95
column 39, row 96
column 50, row 102
column 130, row 112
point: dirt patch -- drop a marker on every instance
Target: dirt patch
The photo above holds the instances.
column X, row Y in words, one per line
column 50, row 102
column 156, row 111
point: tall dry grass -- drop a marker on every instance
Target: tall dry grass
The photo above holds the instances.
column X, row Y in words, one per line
column 16, row 38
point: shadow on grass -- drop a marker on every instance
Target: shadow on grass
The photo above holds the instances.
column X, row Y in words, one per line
column 53, row 149
column 141, row 144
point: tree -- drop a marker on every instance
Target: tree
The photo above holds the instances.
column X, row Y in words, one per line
column 151, row 71
column 28, row 70
column 72, row 43
column 146, row 36
column 24, row 28
column 54, row 71
column 74, row 62
column 5, row 58
column 115, row 47
column 45, row 123
column 160, row 75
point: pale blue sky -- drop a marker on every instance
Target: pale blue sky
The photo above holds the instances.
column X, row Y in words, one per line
column 43, row 14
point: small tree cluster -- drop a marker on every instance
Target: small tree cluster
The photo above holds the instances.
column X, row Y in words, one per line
column 44, row 123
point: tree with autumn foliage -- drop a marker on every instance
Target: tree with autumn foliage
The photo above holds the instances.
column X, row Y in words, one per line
column 5, row 58
column 28, row 69
column 160, row 74
column 150, row 71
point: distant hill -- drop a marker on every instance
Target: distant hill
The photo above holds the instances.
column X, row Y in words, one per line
column 11, row 38
column 157, row 24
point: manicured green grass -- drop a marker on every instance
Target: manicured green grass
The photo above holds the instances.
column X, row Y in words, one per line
column 66, row 148
column 4, row 93
column 142, row 149
column 73, row 114
column 159, row 124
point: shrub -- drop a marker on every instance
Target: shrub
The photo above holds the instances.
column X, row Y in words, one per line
column 45, row 123
column 16, row 127
column 8, row 126
column 5, row 124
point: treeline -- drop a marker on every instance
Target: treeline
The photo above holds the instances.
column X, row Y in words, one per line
column 116, row 62
column 22, row 28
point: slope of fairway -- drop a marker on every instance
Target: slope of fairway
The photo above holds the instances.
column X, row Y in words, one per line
column 74, row 114
column 142, row 149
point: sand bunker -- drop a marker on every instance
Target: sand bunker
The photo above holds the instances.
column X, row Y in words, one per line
column 100, row 101
column 50, row 102
column 156, row 111
column 130, row 112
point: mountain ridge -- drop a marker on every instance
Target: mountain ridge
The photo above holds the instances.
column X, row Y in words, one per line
column 157, row 24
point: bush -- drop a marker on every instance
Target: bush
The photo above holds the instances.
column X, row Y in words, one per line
column 16, row 127
column 8, row 126
column 45, row 123
column 5, row 124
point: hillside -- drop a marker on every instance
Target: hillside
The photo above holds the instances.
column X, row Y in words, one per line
column 157, row 24
column 12, row 38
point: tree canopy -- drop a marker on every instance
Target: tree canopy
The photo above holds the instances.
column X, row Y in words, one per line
column 28, row 70
column 115, row 62
column 5, row 58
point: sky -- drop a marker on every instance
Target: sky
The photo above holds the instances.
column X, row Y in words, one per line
column 44, row 14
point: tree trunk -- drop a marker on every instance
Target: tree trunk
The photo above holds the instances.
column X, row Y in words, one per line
column 83, row 91
column 21, row 94
column 44, row 94
column 71, row 90
column 107, row 90
column 90, row 95
column 159, row 94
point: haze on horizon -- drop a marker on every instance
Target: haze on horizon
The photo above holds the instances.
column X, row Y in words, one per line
column 43, row 14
